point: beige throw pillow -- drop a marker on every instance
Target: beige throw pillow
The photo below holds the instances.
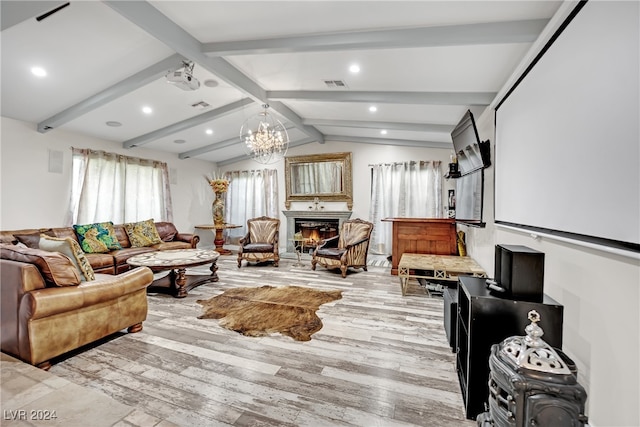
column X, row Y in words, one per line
column 69, row 247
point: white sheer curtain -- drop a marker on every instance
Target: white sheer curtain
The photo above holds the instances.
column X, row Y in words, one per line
column 113, row 187
column 252, row 193
column 402, row 190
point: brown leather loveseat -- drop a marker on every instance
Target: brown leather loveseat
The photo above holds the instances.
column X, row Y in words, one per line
column 47, row 310
column 115, row 261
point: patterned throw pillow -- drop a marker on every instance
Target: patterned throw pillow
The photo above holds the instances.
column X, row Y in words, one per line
column 70, row 248
column 97, row 238
column 142, row 233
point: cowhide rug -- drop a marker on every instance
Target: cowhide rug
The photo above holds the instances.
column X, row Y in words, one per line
column 290, row 310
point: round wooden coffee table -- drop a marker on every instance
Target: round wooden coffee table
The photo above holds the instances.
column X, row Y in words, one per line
column 177, row 283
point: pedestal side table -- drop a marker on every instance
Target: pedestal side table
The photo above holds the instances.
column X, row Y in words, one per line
column 218, row 239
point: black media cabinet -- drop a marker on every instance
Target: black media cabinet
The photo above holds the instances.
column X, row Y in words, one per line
column 484, row 319
column 450, row 297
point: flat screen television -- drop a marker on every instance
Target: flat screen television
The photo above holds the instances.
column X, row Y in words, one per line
column 469, row 198
column 472, row 154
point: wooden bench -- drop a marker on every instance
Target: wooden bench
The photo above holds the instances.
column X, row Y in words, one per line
column 436, row 267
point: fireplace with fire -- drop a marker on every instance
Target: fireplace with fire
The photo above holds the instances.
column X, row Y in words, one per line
column 313, row 231
column 305, row 229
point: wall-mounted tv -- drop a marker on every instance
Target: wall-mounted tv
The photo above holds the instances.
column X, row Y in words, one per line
column 472, row 154
column 470, row 199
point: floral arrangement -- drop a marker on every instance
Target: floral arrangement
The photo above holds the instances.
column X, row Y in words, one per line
column 218, row 184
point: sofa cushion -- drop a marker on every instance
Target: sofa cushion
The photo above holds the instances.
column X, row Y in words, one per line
column 9, row 237
column 56, row 268
column 31, row 240
column 165, row 246
column 122, row 255
column 142, row 233
column 257, row 247
column 122, row 236
column 333, row 253
column 166, row 230
column 101, row 262
column 62, row 232
column 72, row 249
column 97, row 238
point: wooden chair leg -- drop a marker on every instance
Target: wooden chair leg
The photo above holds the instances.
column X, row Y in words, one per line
column 343, row 269
column 135, row 328
column 45, row 366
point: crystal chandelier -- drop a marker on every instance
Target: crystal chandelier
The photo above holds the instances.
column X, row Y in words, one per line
column 264, row 137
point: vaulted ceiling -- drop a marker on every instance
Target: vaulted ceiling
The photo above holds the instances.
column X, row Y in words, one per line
column 422, row 65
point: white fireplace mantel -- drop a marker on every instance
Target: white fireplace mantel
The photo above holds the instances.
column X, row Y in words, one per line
column 311, row 214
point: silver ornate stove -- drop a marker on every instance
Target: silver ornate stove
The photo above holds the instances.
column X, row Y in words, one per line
column 532, row 384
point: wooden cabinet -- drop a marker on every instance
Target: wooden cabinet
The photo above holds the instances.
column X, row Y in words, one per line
column 484, row 320
column 435, row 236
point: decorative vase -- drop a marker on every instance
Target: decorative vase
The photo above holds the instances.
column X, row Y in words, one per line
column 218, row 209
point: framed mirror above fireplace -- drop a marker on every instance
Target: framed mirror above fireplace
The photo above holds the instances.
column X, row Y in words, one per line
column 322, row 177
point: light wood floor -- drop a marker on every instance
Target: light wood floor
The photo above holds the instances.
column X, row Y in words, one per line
column 380, row 360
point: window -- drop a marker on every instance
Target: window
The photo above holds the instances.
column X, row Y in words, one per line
column 402, row 190
column 112, row 187
column 251, row 194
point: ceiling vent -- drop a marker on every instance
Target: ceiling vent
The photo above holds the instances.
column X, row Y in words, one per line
column 335, row 84
column 201, row 105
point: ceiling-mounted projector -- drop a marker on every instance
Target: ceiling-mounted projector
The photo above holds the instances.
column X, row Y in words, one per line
column 183, row 78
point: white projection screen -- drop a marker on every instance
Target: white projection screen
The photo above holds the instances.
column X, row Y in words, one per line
column 567, row 135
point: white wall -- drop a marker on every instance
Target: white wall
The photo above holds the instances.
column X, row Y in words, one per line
column 600, row 293
column 362, row 156
column 33, row 197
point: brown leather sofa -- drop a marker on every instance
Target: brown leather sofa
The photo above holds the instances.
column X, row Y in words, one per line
column 48, row 311
column 114, row 262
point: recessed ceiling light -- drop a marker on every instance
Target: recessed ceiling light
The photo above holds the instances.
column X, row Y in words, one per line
column 113, row 124
column 373, row 109
column 383, row 132
column 147, row 110
column 211, row 83
column 179, row 141
column 355, row 68
column 209, row 131
column 38, row 71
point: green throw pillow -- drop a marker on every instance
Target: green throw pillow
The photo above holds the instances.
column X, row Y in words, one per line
column 69, row 247
column 97, row 238
column 142, row 233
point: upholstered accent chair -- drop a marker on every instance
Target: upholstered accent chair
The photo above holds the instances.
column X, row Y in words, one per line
column 261, row 241
column 348, row 249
